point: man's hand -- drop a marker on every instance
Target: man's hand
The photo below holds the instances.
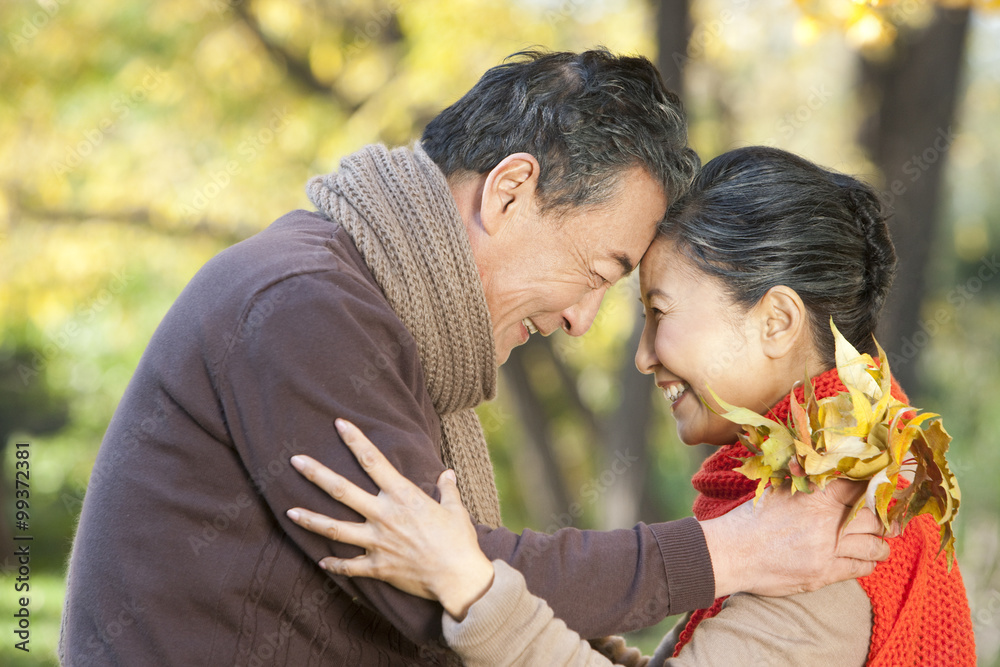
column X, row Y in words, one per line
column 793, row 544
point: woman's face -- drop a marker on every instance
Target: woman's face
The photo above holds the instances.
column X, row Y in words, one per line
column 694, row 338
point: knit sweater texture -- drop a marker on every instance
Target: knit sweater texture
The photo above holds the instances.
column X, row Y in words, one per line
column 921, row 613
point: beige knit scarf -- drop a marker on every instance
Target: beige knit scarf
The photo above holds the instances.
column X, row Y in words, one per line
column 397, row 207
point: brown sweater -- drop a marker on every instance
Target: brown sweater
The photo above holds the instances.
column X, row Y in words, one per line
column 183, row 555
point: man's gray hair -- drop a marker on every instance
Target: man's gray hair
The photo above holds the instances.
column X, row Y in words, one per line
column 585, row 117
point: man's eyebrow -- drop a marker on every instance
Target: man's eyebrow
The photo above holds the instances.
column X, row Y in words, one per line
column 624, row 261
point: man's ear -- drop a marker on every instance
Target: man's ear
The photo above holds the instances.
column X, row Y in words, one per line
column 783, row 320
column 509, row 191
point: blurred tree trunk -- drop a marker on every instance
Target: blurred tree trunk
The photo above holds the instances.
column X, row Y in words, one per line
column 539, row 476
column 673, row 30
column 912, row 99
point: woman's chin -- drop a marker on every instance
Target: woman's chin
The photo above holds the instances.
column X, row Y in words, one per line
column 693, row 438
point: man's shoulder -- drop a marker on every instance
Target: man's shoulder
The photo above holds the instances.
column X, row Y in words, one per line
column 299, row 249
column 297, row 243
column 303, row 271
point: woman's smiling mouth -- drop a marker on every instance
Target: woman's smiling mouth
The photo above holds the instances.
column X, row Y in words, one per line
column 674, row 391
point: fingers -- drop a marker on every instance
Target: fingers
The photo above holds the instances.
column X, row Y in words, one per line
column 868, row 522
column 865, row 522
column 860, row 568
column 339, row 488
column 450, row 497
column 842, row 569
column 360, row 566
column 348, row 532
column 863, row 547
column 371, row 459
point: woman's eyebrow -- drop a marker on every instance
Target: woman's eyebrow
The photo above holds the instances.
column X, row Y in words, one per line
column 655, row 291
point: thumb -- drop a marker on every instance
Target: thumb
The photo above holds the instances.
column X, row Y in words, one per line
column 449, row 489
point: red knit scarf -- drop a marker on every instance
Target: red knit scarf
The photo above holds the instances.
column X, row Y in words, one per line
column 920, row 610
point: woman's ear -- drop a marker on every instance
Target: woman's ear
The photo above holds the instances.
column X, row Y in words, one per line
column 783, row 320
column 509, row 191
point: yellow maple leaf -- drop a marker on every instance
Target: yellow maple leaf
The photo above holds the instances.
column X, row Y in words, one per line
column 752, row 468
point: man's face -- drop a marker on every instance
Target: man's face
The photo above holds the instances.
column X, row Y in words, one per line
column 549, row 272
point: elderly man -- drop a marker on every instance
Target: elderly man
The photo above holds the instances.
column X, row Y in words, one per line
column 392, row 306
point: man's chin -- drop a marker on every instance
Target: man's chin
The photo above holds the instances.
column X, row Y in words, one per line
column 504, row 347
column 502, row 355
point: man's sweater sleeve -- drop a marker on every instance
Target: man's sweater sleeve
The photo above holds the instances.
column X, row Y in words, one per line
column 309, row 349
column 314, row 347
column 607, row 582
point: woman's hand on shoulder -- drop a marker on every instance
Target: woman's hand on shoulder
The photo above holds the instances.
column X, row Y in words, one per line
column 422, row 547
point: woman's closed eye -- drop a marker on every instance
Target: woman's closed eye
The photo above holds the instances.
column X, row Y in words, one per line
column 659, row 310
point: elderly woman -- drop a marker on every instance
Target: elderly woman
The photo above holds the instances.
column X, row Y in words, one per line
column 763, row 252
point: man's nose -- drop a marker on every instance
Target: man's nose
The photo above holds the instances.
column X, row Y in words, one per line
column 578, row 318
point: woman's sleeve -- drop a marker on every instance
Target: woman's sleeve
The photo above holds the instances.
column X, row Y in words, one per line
column 831, row 626
column 509, row 626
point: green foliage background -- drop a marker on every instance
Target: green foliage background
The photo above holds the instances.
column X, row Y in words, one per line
column 137, row 140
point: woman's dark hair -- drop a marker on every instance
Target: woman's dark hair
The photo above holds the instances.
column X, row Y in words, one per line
column 758, row 217
column 584, row 116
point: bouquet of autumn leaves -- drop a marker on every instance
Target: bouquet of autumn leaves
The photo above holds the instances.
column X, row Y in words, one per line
column 861, row 434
